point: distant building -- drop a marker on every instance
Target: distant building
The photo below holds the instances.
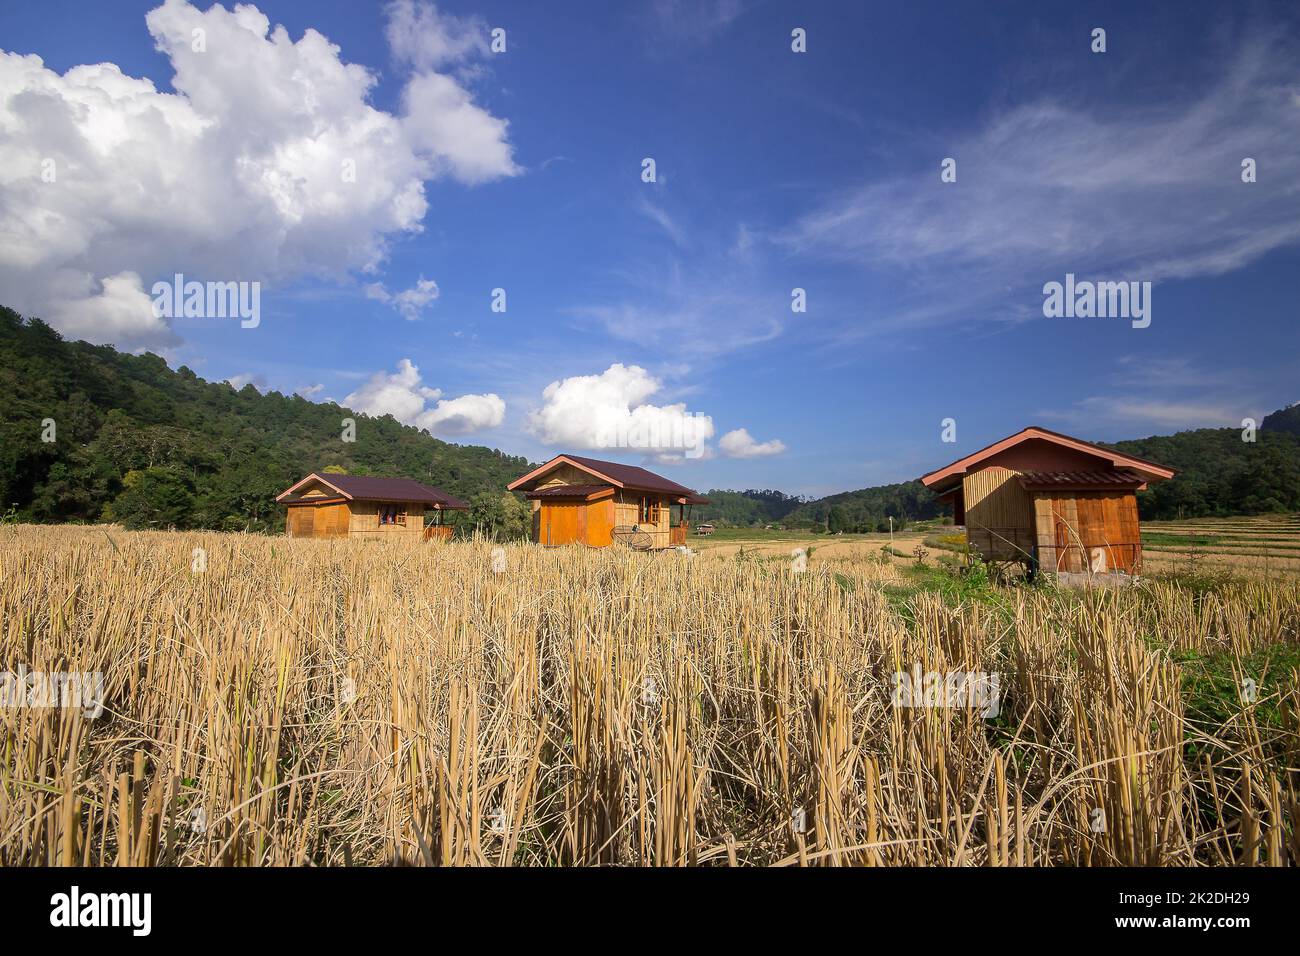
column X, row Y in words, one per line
column 579, row 500
column 1049, row 501
column 352, row 506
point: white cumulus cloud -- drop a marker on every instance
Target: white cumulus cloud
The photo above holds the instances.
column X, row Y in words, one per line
column 404, row 395
column 610, row 410
column 267, row 163
column 409, row 302
column 738, row 443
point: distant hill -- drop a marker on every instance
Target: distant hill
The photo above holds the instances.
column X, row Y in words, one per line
column 140, row 443
column 745, row 509
column 1218, row 475
column 1283, row 420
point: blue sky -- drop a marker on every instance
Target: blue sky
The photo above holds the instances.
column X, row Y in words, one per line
column 643, row 301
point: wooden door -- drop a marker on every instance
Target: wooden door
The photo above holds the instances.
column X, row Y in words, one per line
column 600, row 522
column 560, row 522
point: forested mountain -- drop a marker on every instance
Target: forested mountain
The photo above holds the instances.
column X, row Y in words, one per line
column 89, row 433
column 1218, row 474
column 1283, row 420
column 134, row 441
column 746, row 508
column 869, row 509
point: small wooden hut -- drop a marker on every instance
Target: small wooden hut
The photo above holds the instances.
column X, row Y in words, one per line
column 363, row 506
column 1050, row 502
column 580, row 500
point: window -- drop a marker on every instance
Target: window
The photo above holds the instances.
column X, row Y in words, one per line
column 390, row 514
column 649, row 511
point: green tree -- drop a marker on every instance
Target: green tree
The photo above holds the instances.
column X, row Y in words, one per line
column 837, row 520
column 156, row 498
column 500, row 517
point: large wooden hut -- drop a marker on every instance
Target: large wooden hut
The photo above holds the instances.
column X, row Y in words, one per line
column 1050, row 502
column 363, row 506
column 580, row 500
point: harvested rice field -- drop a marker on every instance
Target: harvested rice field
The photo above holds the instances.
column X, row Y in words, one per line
column 268, row 701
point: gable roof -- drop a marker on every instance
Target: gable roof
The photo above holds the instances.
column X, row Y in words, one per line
column 1146, row 470
column 373, row 488
column 630, row 477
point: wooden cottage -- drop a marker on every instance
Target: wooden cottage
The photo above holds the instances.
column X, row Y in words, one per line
column 362, row 506
column 1049, row 501
column 586, row 501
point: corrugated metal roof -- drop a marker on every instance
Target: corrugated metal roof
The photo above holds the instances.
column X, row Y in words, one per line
column 632, row 476
column 940, row 480
column 1067, row 479
column 372, row 488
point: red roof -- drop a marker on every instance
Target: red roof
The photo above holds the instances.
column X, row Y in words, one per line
column 1079, row 480
column 372, row 488
column 941, row 480
column 621, row 476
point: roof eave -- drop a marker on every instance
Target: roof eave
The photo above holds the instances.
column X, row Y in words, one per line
column 1148, row 469
column 554, row 462
column 298, row 484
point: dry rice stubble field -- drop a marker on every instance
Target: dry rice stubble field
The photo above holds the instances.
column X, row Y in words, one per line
column 315, row 702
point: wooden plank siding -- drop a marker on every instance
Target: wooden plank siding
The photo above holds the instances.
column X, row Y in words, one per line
column 318, row 521
column 365, row 519
column 1088, row 531
column 999, row 515
column 575, row 522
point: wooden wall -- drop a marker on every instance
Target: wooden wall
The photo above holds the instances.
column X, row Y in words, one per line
column 592, row 522
column 568, row 475
column 627, row 510
column 999, row 515
column 1088, row 531
column 575, row 522
column 365, row 520
column 317, row 521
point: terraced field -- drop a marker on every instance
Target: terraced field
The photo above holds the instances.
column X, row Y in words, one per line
column 1264, row 542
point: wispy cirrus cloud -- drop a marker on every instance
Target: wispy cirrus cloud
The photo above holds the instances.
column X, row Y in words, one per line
column 688, row 22
column 1049, row 186
column 1166, row 392
column 710, row 286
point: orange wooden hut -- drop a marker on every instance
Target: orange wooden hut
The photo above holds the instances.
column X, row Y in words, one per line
column 580, row 500
column 364, row 506
column 1049, row 501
